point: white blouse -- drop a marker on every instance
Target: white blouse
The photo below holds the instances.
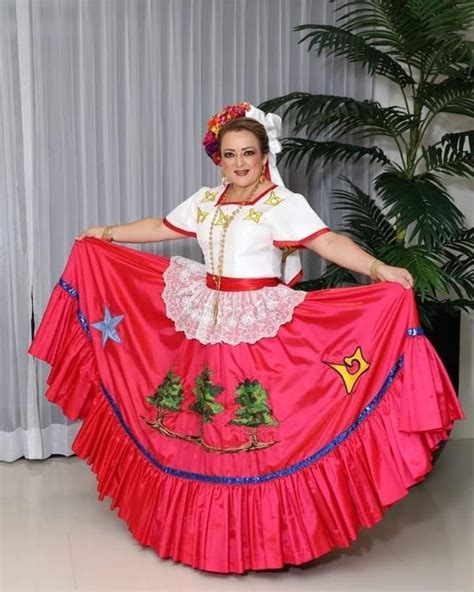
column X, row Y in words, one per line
column 274, row 219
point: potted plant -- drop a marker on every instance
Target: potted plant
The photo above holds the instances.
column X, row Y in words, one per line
column 408, row 218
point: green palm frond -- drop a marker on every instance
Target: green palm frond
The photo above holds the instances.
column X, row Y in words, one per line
column 453, row 154
column 410, row 30
column 459, row 277
column 364, row 118
column 429, row 278
column 304, row 107
column 364, row 219
column 340, row 115
column 421, row 203
column 296, row 150
column 299, row 104
column 383, row 24
column 337, row 276
column 460, row 71
column 440, row 19
column 449, row 96
column 449, row 51
column 449, row 304
column 340, row 42
column 461, row 245
column 434, row 18
column 456, row 259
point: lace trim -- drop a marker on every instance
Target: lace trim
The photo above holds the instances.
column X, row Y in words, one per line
column 243, row 316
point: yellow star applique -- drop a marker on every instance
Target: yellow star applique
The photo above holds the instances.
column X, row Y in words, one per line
column 351, row 369
column 222, row 220
column 201, row 215
column 273, row 199
column 253, row 215
column 209, row 196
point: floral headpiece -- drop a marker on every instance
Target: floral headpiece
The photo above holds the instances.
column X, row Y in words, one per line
column 216, row 123
column 270, row 121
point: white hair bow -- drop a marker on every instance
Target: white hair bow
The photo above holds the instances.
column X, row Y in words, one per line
column 272, row 124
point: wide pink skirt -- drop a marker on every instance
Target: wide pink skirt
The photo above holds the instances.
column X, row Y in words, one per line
column 250, row 456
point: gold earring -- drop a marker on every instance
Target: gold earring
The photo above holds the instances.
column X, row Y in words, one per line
column 263, row 176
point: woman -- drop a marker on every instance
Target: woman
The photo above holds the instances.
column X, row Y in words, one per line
column 236, row 423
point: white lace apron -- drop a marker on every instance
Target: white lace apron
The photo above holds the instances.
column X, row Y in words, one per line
column 245, row 316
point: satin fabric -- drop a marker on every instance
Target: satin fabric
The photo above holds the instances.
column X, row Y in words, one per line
column 335, row 459
column 239, row 284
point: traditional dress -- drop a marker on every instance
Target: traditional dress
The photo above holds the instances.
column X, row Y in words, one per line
column 251, row 426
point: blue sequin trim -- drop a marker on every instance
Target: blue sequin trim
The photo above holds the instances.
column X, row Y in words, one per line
column 414, row 331
column 80, row 315
column 69, row 289
column 84, row 324
column 268, row 476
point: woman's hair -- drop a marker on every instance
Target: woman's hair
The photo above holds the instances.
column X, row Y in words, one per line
column 245, row 124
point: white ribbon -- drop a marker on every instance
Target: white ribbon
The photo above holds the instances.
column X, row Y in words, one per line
column 272, row 124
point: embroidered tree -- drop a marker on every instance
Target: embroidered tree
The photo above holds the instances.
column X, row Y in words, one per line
column 253, row 410
column 206, row 392
column 168, row 396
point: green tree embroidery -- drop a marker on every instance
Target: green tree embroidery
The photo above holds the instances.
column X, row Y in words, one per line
column 206, row 392
column 168, row 396
column 254, row 410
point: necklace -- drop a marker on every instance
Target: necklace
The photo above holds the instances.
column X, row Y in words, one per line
column 218, row 272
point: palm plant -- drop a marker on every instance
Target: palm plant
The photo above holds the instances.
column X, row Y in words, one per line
column 409, row 219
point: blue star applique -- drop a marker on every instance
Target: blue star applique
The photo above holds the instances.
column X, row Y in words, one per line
column 107, row 326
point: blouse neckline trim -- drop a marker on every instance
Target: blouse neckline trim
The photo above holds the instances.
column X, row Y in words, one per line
column 249, row 203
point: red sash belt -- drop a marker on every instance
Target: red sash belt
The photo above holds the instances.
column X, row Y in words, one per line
column 230, row 284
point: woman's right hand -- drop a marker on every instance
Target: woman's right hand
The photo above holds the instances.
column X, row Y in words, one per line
column 94, row 231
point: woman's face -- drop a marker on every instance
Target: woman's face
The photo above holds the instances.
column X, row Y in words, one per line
column 242, row 159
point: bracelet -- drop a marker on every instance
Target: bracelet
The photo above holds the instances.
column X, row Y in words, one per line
column 107, row 234
column 376, row 263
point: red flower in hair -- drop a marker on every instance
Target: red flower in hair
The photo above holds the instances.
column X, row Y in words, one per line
column 216, row 123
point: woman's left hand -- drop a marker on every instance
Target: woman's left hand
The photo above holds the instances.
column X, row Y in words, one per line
column 388, row 273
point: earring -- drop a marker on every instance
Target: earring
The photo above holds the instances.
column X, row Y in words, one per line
column 224, row 179
column 263, row 176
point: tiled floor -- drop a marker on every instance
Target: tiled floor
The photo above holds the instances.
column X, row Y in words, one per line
column 55, row 535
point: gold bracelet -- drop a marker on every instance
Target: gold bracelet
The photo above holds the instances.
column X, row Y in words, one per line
column 107, row 234
column 376, row 263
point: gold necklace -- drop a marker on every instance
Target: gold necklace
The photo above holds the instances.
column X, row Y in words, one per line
column 217, row 274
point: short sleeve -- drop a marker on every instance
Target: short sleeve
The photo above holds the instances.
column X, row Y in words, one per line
column 294, row 222
column 183, row 218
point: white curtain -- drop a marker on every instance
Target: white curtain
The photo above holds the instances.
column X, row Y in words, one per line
column 103, row 104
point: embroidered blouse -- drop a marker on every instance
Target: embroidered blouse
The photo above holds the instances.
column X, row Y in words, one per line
column 276, row 218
